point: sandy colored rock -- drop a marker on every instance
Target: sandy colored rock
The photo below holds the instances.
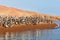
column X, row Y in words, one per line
column 17, row 12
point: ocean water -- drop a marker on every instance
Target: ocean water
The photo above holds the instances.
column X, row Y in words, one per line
column 51, row 34
column 47, row 34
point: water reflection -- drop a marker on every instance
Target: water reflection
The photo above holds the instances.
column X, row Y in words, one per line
column 52, row 34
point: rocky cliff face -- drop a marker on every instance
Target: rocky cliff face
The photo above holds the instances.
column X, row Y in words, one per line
column 17, row 12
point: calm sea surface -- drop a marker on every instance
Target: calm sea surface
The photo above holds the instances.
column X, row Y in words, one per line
column 50, row 34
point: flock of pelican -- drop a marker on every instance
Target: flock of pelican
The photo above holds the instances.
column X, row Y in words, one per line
column 9, row 21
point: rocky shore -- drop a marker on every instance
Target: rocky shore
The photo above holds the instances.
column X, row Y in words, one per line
column 8, row 11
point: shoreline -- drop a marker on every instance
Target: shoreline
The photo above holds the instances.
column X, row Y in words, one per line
column 20, row 28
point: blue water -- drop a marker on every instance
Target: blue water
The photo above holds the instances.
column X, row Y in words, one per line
column 48, row 34
column 53, row 34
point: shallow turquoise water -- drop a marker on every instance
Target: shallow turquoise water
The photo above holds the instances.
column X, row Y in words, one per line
column 48, row 34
